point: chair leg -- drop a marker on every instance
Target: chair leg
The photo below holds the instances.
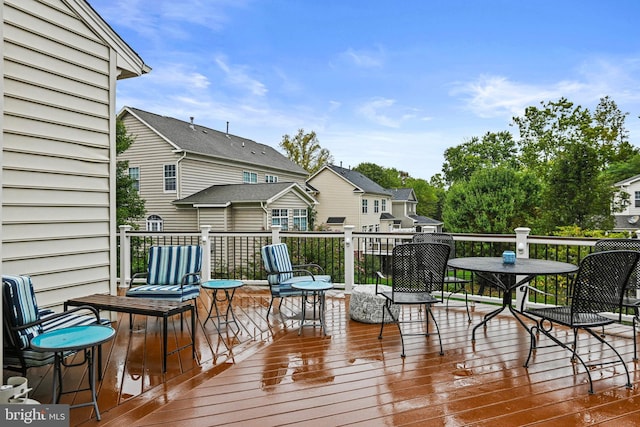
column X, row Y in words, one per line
column 270, row 304
column 387, row 307
column 428, row 309
column 466, row 300
column 634, row 322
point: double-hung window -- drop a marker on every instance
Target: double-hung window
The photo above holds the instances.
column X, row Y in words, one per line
column 300, row 219
column 376, row 206
column 134, row 174
column 280, row 217
column 249, row 177
column 170, row 178
column 270, row 178
column 637, row 197
column 365, row 206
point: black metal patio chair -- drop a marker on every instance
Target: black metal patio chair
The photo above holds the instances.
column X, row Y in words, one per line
column 451, row 284
column 418, row 270
column 630, row 299
column 597, row 288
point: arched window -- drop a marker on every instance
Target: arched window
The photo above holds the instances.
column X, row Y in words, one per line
column 154, row 223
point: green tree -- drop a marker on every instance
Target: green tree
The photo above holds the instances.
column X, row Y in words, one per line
column 494, row 200
column 494, row 149
column 305, row 150
column 570, row 149
column 575, row 180
column 384, row 177
column 129, row 205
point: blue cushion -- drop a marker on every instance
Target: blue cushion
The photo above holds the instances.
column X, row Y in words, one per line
column 173, row 293
column 23, row 308
column 276, row 260
column 168, row 265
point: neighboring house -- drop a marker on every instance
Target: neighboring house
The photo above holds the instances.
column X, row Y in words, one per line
column 60, row 63
column 190, row 175
column 347, row 197
column 629, row 218
column 404, row 203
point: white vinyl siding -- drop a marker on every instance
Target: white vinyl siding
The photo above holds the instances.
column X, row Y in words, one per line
column 57, row 152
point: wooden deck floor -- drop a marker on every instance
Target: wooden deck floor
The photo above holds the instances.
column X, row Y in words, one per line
column 268, row 375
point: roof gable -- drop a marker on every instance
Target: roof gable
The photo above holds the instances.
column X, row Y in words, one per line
column 355, row 178
column 628, row 181
column 193, row 138
column 128, row 62
column 225, row 195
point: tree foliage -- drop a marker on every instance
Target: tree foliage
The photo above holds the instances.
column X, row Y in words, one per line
column 129, row 205
column 494, row 200
column 494, row 149
column 304, row 149
column 573, row 155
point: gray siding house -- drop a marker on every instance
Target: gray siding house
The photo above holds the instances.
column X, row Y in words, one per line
column 190, row 175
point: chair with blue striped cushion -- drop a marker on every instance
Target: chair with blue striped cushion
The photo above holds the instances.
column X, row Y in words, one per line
column 281, row 274
column 173, row 273
column 23, row 320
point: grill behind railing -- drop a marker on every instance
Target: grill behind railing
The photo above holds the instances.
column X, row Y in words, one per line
column 237, row 255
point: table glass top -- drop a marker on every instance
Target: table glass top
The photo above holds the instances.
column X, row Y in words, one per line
column 72, row 338
column 221, row 284
column 522, row 265
column 312, row 286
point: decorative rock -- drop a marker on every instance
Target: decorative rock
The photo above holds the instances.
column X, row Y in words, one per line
column 365, row 306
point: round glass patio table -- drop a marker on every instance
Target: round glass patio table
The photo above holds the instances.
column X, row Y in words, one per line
column 229, row 287
column 74, row 338
column 315, row 290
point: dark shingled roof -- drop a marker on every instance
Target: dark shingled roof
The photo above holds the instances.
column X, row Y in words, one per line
column 336, row 219
column 360, row 181
column 401, row 193
column 209, row 142
column 237, row 193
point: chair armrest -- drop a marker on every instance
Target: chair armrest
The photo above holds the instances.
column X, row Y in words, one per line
column 526, row 288
column 139, row 275
column 186, row 276
column 57, row 315
column 307, row 266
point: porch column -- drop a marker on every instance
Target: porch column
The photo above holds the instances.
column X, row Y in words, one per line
column 205, row 242
column 348, row 258
column 125, row 256
column 522, row 251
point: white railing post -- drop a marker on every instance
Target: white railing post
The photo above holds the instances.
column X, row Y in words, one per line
column 348, row 258
column 125, row 256
column 205, row 242
column 522, row 251
column 275, row 234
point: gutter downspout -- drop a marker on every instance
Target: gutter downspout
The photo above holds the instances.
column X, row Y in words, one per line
column 178, row 174
column 266, row 215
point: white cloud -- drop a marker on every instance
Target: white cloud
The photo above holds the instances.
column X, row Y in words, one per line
column 365, row 58
column 237, row 76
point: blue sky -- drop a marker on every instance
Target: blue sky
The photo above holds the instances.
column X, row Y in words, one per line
column 388, row 82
